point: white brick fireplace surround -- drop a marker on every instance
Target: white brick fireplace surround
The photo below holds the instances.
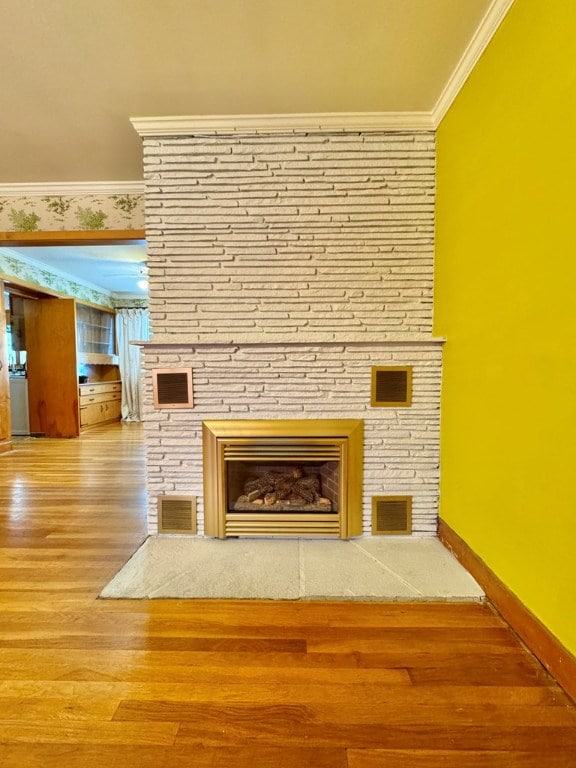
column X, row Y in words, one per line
column 288, row 257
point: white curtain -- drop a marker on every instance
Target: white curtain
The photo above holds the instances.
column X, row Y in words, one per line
column 131, row 325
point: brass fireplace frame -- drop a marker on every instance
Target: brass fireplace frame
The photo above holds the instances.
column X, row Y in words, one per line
column 341, row 438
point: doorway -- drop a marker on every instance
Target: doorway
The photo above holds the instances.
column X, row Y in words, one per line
column 17, row 294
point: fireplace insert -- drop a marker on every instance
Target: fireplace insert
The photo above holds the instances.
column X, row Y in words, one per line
column 283, row 477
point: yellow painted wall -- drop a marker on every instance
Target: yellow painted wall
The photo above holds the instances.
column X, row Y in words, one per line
column 506, row 301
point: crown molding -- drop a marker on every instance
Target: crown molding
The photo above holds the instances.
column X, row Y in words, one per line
column 72, row 188
column 283, row 123
column 475, row 48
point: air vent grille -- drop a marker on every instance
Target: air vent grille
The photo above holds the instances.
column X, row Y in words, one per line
column 172, row 388
column 283, row 449
column 177, row 514
column 391, row 515
column 391, row 386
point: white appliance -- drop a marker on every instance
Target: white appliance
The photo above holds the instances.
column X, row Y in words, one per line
column 19, row 405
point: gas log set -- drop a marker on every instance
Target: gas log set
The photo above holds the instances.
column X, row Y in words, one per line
column 287, row 490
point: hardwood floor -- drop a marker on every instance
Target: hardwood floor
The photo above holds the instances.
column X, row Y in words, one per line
column 86, row 682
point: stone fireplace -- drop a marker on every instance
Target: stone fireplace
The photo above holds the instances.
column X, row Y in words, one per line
column 290, row 258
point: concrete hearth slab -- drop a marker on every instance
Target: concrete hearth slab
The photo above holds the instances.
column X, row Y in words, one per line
column 432, row 571
column 190, row 567
column 402, row 568
column 343, row 569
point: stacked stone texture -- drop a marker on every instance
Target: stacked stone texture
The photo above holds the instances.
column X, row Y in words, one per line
column 282, row 268
column 288, row 237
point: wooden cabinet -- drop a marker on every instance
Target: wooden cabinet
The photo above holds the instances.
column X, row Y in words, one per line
column 53, row 360
column 62, row 340
column 96, row 335
column 52, row 367
column 99, row 403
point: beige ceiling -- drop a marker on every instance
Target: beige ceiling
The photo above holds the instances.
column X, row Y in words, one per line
column 72, row 72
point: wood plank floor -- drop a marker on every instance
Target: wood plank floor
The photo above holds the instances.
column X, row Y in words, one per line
column 87, row 682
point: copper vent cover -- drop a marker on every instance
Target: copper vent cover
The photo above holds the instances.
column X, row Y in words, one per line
column 391, row 386
column 391, row 515
column 172, row 387
column 177, row 514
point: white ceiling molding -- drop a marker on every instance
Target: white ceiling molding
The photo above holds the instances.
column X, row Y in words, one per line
column 72, row 189
column 485, row 32
column 289, row 123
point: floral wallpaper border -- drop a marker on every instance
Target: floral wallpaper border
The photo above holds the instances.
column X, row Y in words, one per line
column 33, row 213
column 129, row 303
column 13, row 267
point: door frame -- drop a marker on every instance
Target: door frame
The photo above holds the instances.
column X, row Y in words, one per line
column 71, row 237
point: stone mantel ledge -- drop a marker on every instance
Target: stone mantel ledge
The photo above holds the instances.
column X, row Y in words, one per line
column 413, row 341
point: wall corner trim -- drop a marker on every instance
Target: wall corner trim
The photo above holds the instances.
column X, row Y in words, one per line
column 72, row 188
column 283, row 123
column 475, row 48
column 541, row 642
